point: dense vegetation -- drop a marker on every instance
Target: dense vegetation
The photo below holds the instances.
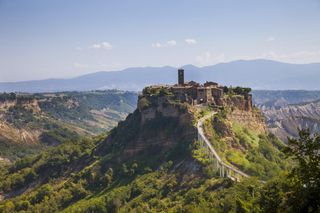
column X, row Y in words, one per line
column 236, row 90
column 17, row 151
column 171, row 186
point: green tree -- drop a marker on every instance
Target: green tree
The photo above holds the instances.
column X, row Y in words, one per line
column 305, row 176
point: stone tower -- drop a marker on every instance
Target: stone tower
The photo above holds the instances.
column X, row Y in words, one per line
column 180, row 76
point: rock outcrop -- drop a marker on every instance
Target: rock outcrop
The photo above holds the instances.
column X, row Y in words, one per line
column 251, row 119
column 241, row 102
column 158, row 124
column 172, row 122
column 285, row 121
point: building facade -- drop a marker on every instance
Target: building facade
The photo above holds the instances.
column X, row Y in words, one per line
column 194, row 93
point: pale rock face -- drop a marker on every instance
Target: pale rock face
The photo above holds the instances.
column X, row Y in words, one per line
column 161, row 106
column 24, row 136
column 285, row 121
column 239, row 102
column 250, row 119
column 19, row 135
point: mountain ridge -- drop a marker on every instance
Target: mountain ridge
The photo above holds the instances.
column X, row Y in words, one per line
column 240, row 72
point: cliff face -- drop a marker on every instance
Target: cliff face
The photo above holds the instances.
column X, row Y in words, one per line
column 239, row 102
column 286, row 111
column 285, row 121
column 158, row 106
column 21, row 134
column 250, row 119
column 157, row 125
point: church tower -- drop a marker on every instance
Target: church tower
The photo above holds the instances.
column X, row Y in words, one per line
column 180, row 76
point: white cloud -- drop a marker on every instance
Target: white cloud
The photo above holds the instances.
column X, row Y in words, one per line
column 271, row 38
column 208, row 58
column 103, row 46
column 156, row 45
column 191, row 41
column 169, row 43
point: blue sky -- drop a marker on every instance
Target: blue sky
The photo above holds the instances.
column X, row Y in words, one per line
column 64, row 38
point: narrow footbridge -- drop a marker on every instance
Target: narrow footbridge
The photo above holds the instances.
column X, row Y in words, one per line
column 224, row 169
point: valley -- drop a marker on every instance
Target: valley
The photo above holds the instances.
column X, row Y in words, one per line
column 32, row 122
column 286, row 111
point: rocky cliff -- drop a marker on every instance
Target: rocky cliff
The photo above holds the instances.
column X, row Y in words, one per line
column 285, row 121
column 158, row 124
column 251, row 119
column 240, row 102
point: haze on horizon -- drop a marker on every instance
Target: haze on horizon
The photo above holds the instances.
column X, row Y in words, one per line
column 60, row 39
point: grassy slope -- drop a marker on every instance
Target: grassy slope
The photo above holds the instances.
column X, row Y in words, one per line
column 257, row 154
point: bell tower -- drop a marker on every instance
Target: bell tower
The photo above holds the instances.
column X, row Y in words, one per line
column 180, row 76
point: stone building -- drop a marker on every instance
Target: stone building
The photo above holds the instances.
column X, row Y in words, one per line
column 209, row 93
column 194, row 93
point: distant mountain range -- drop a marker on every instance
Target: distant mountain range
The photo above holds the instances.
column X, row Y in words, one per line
column 257, row 74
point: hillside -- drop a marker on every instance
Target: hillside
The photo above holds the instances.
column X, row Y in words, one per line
column 285, row 121
column 257, row 74
column 30, row 122
column 151, row 162
column 286, row 111
column 274, row 99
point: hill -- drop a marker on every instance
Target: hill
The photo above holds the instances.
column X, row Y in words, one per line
column 152, row 162
column 285, row 121
column 273, row 99
column 31, row 122
column 286, row 111
column 257, row 74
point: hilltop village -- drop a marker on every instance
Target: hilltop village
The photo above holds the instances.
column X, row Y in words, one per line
column 209, row 93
